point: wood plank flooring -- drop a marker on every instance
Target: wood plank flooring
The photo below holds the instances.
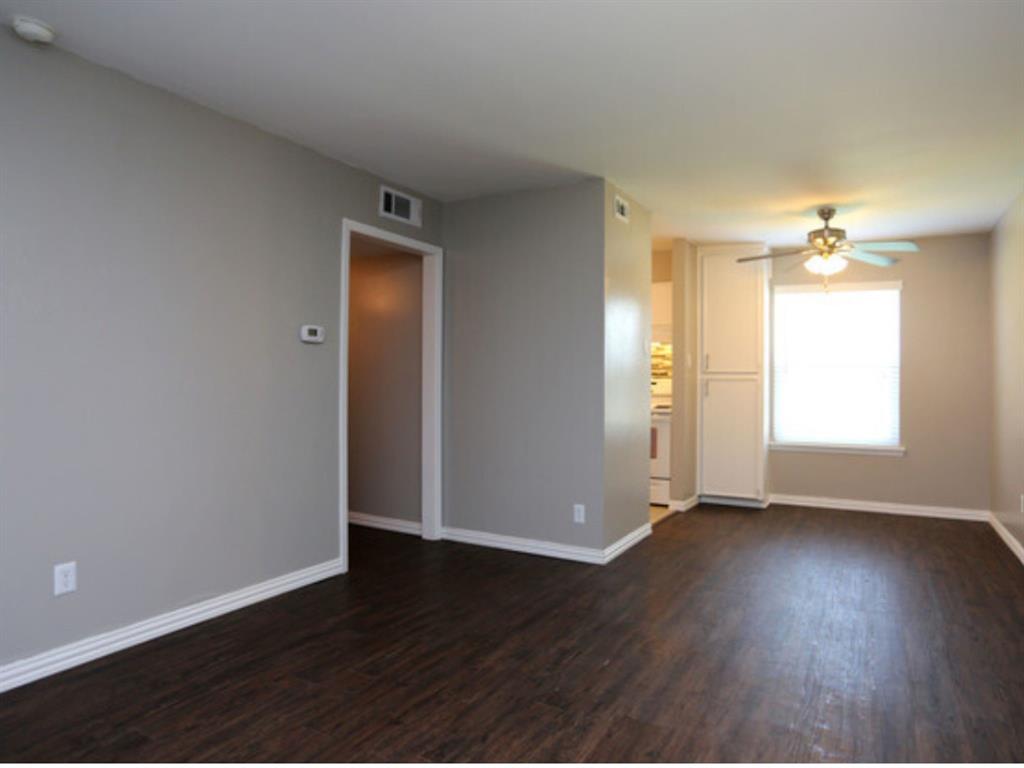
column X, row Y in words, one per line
column 784, row 635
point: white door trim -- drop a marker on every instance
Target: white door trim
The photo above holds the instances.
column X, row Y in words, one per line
column 433, row 313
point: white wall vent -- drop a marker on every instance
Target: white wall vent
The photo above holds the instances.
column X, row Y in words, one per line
column 400, row 207
column 621, row 209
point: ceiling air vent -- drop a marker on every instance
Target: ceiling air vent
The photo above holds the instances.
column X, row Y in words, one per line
column 395, row 205
column 621, row 209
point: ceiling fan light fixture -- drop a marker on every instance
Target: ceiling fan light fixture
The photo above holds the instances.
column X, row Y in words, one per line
column 825, row 265
column 829, row 250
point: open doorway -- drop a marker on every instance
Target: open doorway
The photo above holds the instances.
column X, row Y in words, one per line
column 661, row 385
column 389, row 409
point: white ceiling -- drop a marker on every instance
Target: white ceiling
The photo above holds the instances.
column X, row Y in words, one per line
column 730, row 120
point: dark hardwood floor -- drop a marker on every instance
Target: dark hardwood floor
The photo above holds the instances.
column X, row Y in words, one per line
column 783, row 635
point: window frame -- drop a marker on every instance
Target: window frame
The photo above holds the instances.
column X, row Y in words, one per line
column 898, row 449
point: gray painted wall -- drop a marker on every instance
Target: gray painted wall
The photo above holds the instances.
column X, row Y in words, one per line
column 547, row 373
column 385, row 380
column 627, row 368
column 524, row 304
column 1007, row 479
column 160, row 422
column 946, row 386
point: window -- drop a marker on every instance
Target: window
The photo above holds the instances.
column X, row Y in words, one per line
column 836, row 366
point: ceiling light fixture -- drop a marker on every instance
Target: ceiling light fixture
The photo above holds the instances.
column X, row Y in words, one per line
column 33, row 30
column 825, row 265
column 830, row 251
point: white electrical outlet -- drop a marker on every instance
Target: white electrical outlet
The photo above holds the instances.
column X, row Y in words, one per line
column 65, row 578
column 579, row 513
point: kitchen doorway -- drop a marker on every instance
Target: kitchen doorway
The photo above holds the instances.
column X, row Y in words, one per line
column 661, row 385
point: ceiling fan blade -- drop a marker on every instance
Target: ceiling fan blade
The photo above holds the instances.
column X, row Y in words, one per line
column 902, row 246
column 875, row 259
column 770, row 256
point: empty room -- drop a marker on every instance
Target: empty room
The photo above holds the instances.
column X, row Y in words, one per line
column 511, row 380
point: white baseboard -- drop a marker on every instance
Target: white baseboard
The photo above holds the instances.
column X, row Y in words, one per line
column 548, row 548
column 1008, row 538
column 517, row 544
column 631, row 539
column 683, row 506
column 883, row 507
column 730, row 501
column 25, row 671
column 414, row 527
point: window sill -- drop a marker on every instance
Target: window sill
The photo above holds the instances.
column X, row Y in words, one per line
column 867, row 450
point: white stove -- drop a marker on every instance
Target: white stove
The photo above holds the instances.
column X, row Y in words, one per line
column 661, row 440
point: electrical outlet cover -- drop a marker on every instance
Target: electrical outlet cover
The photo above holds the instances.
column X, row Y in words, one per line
column 65, row 578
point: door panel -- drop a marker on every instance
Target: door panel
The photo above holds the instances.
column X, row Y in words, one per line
column 732, row 311
column 730, row 449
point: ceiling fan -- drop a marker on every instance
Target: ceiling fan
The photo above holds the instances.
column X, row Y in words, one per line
column 829, row 249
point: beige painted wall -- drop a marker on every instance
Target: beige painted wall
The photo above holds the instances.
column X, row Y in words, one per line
column 385, row 378
column 627, row 368
column 946, row 373
column 685, row 303
column 1008, row 379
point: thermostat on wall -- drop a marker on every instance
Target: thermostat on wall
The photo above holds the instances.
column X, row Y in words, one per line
column 312, row 334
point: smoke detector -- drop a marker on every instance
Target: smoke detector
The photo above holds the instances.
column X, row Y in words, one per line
column 33, row 30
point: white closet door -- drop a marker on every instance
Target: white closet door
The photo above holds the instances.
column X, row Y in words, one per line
column 731, row 445
column 732, row 309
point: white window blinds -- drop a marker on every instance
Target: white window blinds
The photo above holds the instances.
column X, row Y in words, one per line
column 836, row 365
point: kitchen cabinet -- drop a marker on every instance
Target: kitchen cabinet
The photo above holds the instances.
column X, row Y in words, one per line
column 731, row 448
column 733, row 300
column 661, row 312
column 732, row 413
